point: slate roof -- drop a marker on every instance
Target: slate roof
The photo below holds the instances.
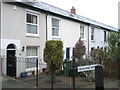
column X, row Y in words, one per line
column 55, row 10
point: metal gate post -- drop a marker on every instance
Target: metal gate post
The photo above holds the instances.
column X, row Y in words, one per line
column 73, row 74
column 15, row 67
column 99, row 82
column 0, row 66
column 73, row 69
column 37, row 72
column 52, row 75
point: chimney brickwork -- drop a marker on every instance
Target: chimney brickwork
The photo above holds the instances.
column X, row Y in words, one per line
column 73, row 10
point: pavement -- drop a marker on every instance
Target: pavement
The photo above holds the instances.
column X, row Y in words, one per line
column 0, row 82
column 8, row 82
column 111, row 84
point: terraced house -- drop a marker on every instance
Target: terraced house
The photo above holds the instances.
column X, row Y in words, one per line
column 26, row 26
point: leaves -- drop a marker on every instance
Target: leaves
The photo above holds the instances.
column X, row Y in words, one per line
column 79, row 49
column 113, row 49
column 97, row 55
column 53, row 53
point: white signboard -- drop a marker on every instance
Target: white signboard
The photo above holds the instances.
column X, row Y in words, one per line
column 87, row 68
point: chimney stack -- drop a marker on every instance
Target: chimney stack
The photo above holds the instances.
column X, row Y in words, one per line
column 73, row 10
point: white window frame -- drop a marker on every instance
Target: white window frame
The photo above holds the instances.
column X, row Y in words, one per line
column 55, row 36
column 36, row 14
column 82, row 33
column 28, row 57
column 92, row 33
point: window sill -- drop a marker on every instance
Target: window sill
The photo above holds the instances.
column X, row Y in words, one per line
column 32, row 35
column 56, row 37
column 30, row 69
column 105, row 41
column 83, row 40
column 93, row 41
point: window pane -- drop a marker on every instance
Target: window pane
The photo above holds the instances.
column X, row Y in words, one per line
column 31, row 29
column 92, row 37
column 81, row 35
column 28, row 28
column 29, row 18
column 57, row 32
column 82, row 31
column 31, row 61
column 105, row 38
column 31, row 51
column 55, row 22
column 92, row 33
column 34, row 19
column 53, row 31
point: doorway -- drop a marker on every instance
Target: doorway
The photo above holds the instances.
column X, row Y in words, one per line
column 11, row 60
column 68, row 53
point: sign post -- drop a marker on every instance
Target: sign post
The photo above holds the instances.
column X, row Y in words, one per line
column 99, row 82
column 99, row 78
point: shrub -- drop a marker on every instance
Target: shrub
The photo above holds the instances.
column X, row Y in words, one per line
column 53, row 54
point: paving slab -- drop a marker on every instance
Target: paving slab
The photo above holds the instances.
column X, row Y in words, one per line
column 9, row 82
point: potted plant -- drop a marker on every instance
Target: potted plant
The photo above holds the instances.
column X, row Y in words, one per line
column 23, row 74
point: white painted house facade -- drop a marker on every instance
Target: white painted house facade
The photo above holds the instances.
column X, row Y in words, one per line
column 26, row 26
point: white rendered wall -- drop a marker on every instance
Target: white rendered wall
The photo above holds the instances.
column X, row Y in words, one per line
column 69, row 33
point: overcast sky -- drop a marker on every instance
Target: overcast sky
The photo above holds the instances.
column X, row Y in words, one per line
column 104, row 11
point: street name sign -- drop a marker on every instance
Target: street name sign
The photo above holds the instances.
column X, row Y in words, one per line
column 87, row 67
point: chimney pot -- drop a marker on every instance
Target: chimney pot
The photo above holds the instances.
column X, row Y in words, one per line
column 73, row 10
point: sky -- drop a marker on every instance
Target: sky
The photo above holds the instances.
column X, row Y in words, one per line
column 104, row 11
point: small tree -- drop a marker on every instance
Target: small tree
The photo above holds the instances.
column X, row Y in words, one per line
column 113, row 48
column 79, row 49
column 53, row 54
